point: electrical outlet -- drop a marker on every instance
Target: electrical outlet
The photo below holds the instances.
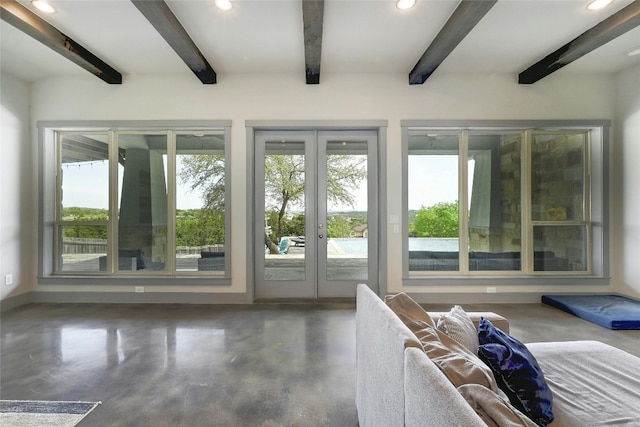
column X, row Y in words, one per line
column 139, row 289
column 491, row 289
column 8, row 279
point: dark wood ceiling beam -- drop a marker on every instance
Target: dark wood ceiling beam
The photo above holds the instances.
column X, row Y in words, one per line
column 460, row 23
column 312, row 17
column 29, row 23
column 617, row 24
column 165, row 22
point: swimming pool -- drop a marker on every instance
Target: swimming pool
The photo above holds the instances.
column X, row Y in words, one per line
column 358, row 245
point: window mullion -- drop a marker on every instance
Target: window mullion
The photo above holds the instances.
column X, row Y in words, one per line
column 112, row 228
column 463, row 202
column 58, row 205
column 526, row 256
column 170, row 257
column 587, row 201
column 227, row 199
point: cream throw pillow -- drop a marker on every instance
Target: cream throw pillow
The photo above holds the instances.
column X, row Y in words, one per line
column 409, row 311
column 458, row 325
column 454, row 360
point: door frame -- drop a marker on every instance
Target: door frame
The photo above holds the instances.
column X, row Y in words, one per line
column 252, row 126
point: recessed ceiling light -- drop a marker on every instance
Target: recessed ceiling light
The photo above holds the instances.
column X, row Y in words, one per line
column 223, row 4
column 43, row 6
column 598, row 4
column 634, row 51
column 405, row 4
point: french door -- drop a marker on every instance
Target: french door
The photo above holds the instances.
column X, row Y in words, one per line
column 316, row 216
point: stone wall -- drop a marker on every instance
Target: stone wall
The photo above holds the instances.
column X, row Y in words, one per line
column 503, row 233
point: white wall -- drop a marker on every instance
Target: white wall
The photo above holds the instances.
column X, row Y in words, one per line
column 628, row 219
column 338, row 97
column 16, row 189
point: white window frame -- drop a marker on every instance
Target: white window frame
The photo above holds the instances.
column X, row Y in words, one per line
column 50, row 215
column 595, row 200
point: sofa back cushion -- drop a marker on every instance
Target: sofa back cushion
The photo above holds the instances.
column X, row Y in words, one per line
column 409, row 311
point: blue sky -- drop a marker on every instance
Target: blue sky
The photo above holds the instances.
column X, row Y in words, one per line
column 433, row 179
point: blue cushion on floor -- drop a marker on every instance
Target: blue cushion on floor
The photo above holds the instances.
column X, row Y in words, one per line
column 609, row 311
column 517, row 372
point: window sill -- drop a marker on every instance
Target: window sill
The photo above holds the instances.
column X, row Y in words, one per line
column 484, row 280
column 135, row 280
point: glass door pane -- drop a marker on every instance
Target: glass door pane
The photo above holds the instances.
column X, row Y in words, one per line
column 347, row 230
column 347, row 212
column 284, row 209
column 284, row 236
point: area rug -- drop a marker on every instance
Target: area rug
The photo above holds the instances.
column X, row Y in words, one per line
column 37, row 413
column 609, row 311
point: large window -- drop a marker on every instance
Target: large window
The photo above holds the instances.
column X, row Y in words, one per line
column 139, row 202
column 504, row 201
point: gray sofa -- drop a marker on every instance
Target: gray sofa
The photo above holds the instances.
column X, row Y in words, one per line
column 593, row 384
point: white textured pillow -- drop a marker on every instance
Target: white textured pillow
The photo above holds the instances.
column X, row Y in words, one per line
column 458, row 325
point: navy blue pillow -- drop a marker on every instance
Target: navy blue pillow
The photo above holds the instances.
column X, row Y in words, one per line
column 517, row 372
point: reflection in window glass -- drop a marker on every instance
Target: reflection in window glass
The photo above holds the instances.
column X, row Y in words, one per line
column 558, row 201
column 142, row 221
column 433, row 219
column 557, row 177
column 494, row 202
column 560, row 248
column 84, row 202
column 527, row 207
column 106, row 224
column 200, row 202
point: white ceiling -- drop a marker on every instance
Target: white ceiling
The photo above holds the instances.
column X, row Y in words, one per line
column 359, row 36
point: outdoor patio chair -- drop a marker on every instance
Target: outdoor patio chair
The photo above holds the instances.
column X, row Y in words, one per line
column 283, row 247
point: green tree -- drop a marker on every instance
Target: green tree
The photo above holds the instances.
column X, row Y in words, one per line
column 205, row 172
column 199, row 227
column 439, row 220
column 85, row 231
column 284, row 184
column 339, row 226
column 295, row 226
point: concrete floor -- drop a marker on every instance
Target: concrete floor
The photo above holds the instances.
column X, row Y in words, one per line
column 185, row 365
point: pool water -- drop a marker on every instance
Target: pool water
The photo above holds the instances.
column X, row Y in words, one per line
column 358, row 245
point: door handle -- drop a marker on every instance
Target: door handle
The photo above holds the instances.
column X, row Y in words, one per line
column 320, row 236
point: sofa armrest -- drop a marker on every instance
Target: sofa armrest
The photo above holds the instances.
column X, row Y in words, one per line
column 430, row 398
column 381, row 339
column 498, row 321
